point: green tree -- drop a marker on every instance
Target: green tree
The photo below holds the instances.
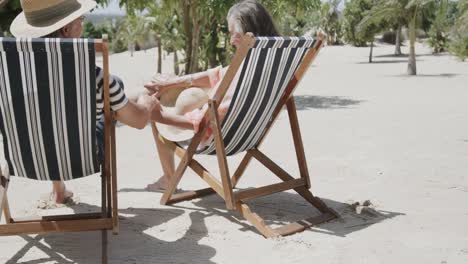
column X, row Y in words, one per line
column 9, row 9
column 441, row 21
column 353, row 14
column 459, row 32
column 407, row 11
column 331, row 22
column 133, row 30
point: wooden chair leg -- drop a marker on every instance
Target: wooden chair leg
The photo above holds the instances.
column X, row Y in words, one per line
column 104, row 252
column 298, row 145
column 241, row 169
column 221, row 154
column 6, row 210
column 4, row 181
column 181, row 168
column 113, row 188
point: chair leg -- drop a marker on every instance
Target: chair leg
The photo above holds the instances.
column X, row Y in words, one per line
column 104, row 252
column 298, row 145
column 175, row 180
column 221, row 154
column 6, row 210
column 241, row 169
column 4, row 180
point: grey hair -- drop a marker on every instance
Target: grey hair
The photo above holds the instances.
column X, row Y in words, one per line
column 251, row 16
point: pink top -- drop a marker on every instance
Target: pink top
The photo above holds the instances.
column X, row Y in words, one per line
column 216, row 75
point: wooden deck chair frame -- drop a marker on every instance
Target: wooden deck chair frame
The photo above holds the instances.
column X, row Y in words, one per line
column 236, row 200
column 102, row 221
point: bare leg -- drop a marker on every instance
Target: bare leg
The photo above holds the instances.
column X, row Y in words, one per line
column 60, row 193
column 166, row 157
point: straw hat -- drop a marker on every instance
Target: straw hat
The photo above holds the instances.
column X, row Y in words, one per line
column 42, row 17
column 179, row 102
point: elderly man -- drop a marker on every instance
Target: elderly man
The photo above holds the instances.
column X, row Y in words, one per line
column 64, row 19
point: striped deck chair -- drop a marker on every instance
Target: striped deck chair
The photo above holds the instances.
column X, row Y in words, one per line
column 270, row 71
column 48, row 124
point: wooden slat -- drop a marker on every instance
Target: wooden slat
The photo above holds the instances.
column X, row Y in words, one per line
column 201, row 171
column 46, row 218
column 4, row 180
column 221, row 155
column 255, row 220
column 241, row 169
column 272, row 166
column 55, row 227
column 207, row 177
column 6, row 209
column 113, row 187
column 298, row 145
column 190, row 195
column 300, row 226
column 283, row 175
column 98, row 45
column 269, row 189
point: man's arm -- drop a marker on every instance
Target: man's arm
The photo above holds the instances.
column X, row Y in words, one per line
column 137, row 112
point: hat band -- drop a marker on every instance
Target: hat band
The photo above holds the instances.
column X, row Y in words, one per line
column 51, row 15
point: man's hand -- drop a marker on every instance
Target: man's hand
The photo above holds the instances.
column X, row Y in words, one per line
column 150, row 102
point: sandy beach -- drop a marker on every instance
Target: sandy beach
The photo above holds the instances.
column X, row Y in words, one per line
column 371, row 133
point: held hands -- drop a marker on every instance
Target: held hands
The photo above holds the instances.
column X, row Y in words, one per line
column 150, row 102
column 159, row 84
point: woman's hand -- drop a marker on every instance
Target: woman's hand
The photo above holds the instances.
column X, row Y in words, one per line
column 159, row 84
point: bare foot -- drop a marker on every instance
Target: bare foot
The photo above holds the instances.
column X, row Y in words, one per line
column 62, row 197
column 159, row 186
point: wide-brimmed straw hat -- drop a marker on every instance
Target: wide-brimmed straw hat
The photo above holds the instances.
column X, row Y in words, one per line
column 180, row 101
column 42, row 17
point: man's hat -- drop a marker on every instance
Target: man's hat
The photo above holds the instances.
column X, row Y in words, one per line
column 42, row 17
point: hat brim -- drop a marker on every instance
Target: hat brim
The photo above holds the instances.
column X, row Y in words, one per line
column 173, row 133
column 20, row 28
column 168, row 104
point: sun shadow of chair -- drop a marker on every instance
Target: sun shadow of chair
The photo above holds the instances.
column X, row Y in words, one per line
column 287, row 207
column 305, row 102
column 133, row 245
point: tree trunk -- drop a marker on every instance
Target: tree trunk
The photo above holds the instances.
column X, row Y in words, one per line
column 412, row 52
column 131, row 48
column 398, row 41
column 160, row 53
column 188, row 34
column 195, row 37
column 176, row 64
column 371, row 51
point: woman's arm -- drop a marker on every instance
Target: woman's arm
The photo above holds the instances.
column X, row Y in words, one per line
column 200, row 79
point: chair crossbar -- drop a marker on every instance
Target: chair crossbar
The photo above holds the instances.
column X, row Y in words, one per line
column 55, row 227
column 268, row 190
column 30, row 219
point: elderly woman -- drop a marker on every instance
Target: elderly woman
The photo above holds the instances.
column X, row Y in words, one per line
column 246, row 16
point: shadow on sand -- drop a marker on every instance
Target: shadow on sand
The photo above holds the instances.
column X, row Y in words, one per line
column 382, row 62
column 135, row 245
column 443, row 75
column 305, row 102
column 132, row 245
column 287, row 207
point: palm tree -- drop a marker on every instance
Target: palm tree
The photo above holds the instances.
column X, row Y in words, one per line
column 407, row 11
column 134, row 29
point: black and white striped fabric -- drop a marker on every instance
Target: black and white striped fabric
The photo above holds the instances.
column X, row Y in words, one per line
column 48, row 107
column 265, row 74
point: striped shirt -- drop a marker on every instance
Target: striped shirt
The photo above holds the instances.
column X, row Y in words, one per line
column 117, row 95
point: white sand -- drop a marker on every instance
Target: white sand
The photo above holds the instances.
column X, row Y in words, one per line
column 370, row 133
